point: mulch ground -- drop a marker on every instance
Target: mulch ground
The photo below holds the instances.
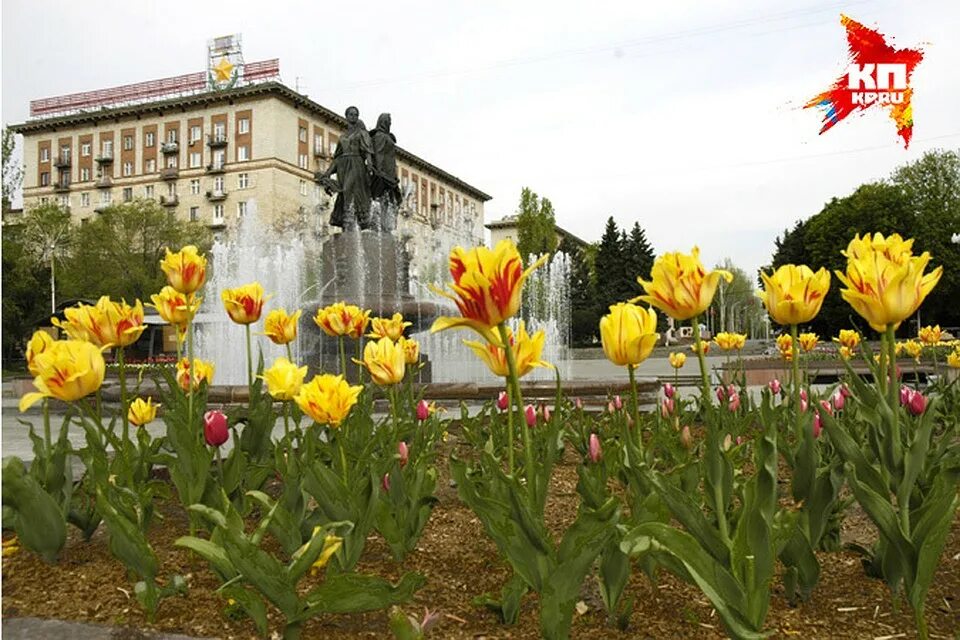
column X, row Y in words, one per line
column 460, row 562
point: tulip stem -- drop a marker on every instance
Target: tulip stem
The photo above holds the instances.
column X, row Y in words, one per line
column 249, row 364
column 527, row 445
column 343, row 358
column 509, row 427
column 289, row 352
column 903, row 492
column 795, row 365
column 343, row 455
column 123, row 408
column 191, row 374
column 704, row 379
column 46, row 427
column 636, row 406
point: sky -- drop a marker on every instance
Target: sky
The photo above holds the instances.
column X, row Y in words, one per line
column 685, row 116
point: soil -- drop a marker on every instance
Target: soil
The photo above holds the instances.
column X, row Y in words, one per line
column 460, row 562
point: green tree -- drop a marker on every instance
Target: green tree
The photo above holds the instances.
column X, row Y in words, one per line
column 12, row 171
column 47, row 236
column 536, row 225
column 118, row 254
column 609, row 267
column 638, row 256
column 24, row 305
column 585, row 311
column 735, row 306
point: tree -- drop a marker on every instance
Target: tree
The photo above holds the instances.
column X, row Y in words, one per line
column 585, row 312
column 118, row 254
column 638, row 256
column 24, row 278
column 735, row 306
column 609, row 267
column 47, row 234
column 12, row 171
column 536, row 225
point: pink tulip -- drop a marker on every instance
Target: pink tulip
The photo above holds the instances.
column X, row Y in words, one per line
column 503, row 401
column 775, row 386
column 423, row 410
column 578, row 403
column 610, row 407
column 595, row 451
column 826, row 406
column 385, row 483
column 403, row 452
column 845, row 391
column 721, row 393
column 839, row 400
column 545, row 410
column 215, row 430
column 803, row 395
column 531, row 415
column 668, row 390
column 617, row 403
column 734, row 403
column 666, row 407
column 905, row 393
column 917, row 404
column 817, row 425
column 740, row 440
column 686, row 437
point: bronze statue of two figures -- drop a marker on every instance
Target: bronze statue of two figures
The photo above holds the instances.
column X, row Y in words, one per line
column 365, row 165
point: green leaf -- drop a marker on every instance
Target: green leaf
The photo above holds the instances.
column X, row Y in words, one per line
column 127, row 542
column 40, row 523
column 353, row 593
column 929, row 536
column 251, row 603
column 262, row 571
column 212, row 553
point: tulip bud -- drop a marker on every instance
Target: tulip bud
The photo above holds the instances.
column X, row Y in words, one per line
column 817, row 425
column 610, row 407
column 595, row 450
column 423, row 410
column 826, row 406
column 845, row 391
column 403, row 452
column 839, row 400
column 531, row 415
column 545, row 410
column 215, row 430
column 385, row 483
column 721, row 393
column 740, row 440
column 775, row 386
column 917, row 404
column 668, row 390
column 803, row 395
column 727, row 442
column 803, row 406
column 617, row 403
column 686, row 438
column 503, row 401
column 578, row 403
column 734, row 403
column 666, row 407
column 905, row 393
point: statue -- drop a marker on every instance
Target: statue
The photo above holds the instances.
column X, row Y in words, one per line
column 351, row 163
column 384, row 186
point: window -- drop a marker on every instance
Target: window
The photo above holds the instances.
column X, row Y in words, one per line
column 44, row 200
column 106, row 197
column 85, row 199
column 148, row 191
column 333, row 146
column 194, row 133
column 218, row 184
column 128, row 142
column 45, row 154
column 172, row 189
column 195, row 186
column 127, row 168
column 243, row 180
column 220, row 131
column 194, row 213
column 194, row 159
column 127, row 194
column 85, row 149
column 302, row 161
column 303, row 187
column 218, row 159
column 171, row 135
column 218, row 213
column 65, row 153
column 151, row 166
column 149, row 139
column 45, row 179
column 84, row 174
column 241, row 208
column 243, row 153
column 107, row 148
column 171, row 162
column 318, row 142
column 302, row 136
column 64, row 201
column 243, row 125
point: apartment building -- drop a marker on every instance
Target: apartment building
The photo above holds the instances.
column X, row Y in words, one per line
column 215, row 156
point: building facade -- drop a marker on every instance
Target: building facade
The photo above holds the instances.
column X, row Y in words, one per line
column 215, row 157
column 506, row 229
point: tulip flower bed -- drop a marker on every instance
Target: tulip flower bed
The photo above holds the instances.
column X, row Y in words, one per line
column 721, row 513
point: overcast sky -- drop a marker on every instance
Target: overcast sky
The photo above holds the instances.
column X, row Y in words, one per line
column 682, row 115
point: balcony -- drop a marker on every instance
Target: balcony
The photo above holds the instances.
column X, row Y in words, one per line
column 216, row 195
column 62, row 162
column 61, row 187
column 217, row 141
column 169, row 148
column 170, row 173
column 106, row 158
column 217, row 223
column 217, row 167
column 104, row 182
column 103, row 206
column 170, row 201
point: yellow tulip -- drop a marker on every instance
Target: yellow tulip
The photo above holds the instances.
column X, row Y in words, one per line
column 39, row 343
column 331, row 544
column 785, row 345
column 202, row 372
column 244, row 304
column 385, row 360
column 730, row 341
column 327, row 399
column 808, row 341
column 280, row 327
column 526, row 352
column 913, row 348
column 284, row 379
column 340, row 319
column 930, row 335
column 487, row 286
column 680, row 286
column 66, row 370
column 846, row 352
column 793, row 294
column 186, row 269
column 411, row 350
column 140, row 412
column 848, row 338
column 105, row 324
column 388, row 327
column 885, row 281
column 953, row 358
column 174, row 307
column 706, row 347
column 678, row 359
column 897, row 348
column 628, row 334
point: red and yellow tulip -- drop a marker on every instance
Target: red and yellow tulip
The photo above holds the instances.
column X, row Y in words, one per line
column 385, row 360
column 284, row 379
column 680, row 286
column 793, row 294
column 174, row 307
column 628, row 334
column 342, row 320
column 39, row 343
column 105, row 324
column 66, row 370
column 388, row 327
column 202, row 371
column 526, row 349
column 327, row 399
column 280, row 327
column 244, row 304
column 186, row 269
column 730, row 341
column 141, row 412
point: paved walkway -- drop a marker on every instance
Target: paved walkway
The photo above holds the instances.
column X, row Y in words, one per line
column 39, row 629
